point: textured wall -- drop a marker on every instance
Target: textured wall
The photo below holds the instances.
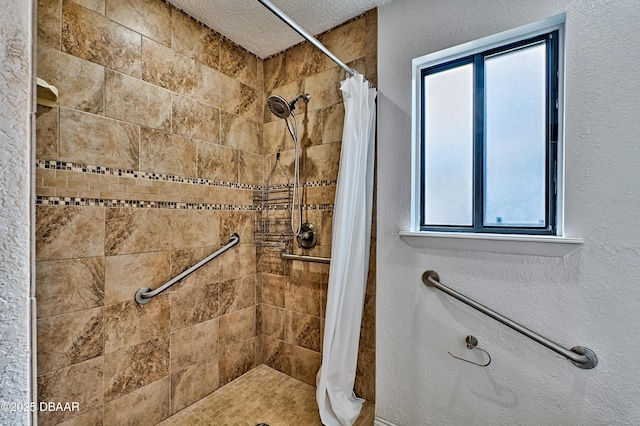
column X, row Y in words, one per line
column 590, row 297
column 145, row 167
column 15, row 205
column 294, row 293
column 15, row 210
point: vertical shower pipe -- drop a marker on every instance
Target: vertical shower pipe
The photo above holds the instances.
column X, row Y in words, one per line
column 297, row 28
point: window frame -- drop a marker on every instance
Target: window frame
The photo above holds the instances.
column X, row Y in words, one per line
column 474, row 52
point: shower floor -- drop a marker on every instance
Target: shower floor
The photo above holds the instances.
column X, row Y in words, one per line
column 263, row 395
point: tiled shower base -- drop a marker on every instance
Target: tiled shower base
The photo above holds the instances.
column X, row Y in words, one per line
column 263, row 395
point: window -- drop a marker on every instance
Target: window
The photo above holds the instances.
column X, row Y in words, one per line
column 486, row 135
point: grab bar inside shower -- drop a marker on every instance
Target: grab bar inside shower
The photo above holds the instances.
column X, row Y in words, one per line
column 315, row 259
column 579, row 355
column 145, row 294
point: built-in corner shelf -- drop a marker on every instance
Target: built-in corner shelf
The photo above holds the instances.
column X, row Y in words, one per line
column 47, row 94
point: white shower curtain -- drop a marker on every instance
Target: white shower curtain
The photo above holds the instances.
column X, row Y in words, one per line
column 337, row 402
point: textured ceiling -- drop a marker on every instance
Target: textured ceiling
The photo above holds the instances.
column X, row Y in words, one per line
column 251, row 25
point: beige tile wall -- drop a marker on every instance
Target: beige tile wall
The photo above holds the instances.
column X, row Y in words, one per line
column 146, row 166
column 91, row 260
column 292, row 295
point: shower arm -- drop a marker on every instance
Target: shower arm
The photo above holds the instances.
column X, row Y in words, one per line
column 297, row 28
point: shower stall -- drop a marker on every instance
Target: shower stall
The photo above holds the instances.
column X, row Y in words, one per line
column 143, row 170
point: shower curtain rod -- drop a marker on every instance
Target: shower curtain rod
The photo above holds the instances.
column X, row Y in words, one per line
column 297, row 28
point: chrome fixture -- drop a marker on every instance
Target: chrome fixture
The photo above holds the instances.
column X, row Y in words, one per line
column 281, row 108
column 580, row 356
column 297, row 28
column 308, row 236
column 271, row 228
column 145, row 294
column 472, row 342
column 314, row 259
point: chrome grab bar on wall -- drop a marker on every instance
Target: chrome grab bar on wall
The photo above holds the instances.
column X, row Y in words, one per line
column 579, row 355
column 145, row 294
column 315, row 259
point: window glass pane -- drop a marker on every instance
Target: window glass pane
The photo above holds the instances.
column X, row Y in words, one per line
column 515, row 89
column 448, row 121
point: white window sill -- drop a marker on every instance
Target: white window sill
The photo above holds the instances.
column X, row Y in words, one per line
column 535, row 245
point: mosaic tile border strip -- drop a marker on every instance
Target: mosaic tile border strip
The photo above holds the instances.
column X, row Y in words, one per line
column 101, row 202
column 317, row 206
column 134, row 174
column 319, row 183
column 304, row 207
column 314, row 184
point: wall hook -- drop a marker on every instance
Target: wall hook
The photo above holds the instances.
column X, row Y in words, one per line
column 472, row 342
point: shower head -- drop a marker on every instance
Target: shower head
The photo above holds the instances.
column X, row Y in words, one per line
column 278, row 106
column 281, row 108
